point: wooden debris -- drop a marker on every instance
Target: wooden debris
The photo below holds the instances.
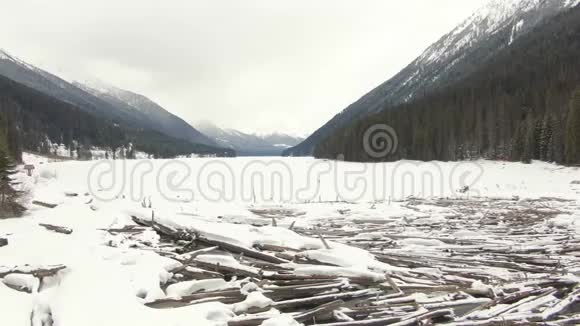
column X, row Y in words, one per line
column 56, row 228
column 568, row 301
column 242, row 250
column 194, row 273
column 39, row 272
column 323, row 240
column 43, row 204
column 3, row 242
column 513, row 271
column 319, row 311
column 225, row 296
column 126, row 229
column 322, row 299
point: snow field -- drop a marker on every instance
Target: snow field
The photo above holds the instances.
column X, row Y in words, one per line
column 110, row 277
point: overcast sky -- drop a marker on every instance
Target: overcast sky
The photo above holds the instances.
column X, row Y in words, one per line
column 254, row 65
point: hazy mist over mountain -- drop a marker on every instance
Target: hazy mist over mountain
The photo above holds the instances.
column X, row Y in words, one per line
column 293, row 64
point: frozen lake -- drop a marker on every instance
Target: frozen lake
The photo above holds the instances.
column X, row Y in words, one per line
column 284, row 180
column 289, row 241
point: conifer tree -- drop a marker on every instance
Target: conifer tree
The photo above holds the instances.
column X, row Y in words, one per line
column 529, row 142
column 519, row 142
column 9, row 206
column 546, row 138
column 8, row 196
column 573, row 130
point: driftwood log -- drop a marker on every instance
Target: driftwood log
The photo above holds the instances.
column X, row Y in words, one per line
column 56, row 228
column 39, row 272
column 44, row 204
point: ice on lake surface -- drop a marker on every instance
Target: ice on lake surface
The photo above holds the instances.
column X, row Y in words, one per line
column 289, row 241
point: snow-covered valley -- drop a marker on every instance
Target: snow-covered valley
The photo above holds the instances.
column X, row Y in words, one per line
column 289, row 241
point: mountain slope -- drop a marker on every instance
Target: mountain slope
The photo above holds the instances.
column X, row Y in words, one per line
column 456, row 55
column 38, row 122
column 516, row 105
column 106, row 108
column 248, row 144
column 165, row 121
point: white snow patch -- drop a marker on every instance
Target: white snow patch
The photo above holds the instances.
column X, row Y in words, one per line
column 189, row 287
column 25, row 282
column 254, row 300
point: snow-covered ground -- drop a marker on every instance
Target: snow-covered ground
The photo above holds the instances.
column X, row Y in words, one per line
column 310, row 218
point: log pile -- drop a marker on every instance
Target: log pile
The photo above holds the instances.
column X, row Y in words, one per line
column 517, row 269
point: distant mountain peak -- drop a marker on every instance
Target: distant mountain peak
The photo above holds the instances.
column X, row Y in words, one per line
column 248, row 143
column 97, row 84
column 486, row 21
column 205, row 124
column 129, row 97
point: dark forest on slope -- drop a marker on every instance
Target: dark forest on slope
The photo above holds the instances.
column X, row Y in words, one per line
column 9, row 206
column 34, row 121
column 522, row 104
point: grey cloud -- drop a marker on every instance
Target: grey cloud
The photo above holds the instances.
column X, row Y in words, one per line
column 255, row 65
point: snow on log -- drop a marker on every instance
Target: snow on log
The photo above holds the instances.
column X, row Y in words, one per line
column 36, row 271
column 22, row 282
column 241, row 250
column 563, row 305
column 56, row 228
column 254, row 302
column 190, row 287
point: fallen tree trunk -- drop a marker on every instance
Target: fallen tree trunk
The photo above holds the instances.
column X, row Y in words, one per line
column 38, row 272
column 177, row 235
column 321, row 299
column 56, row 228
column 242, row 250
column 562, row 305
column 43, row 204
column 319, row 311
column 225, row 296
column 192, row 235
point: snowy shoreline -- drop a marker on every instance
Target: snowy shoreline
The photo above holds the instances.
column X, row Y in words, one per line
column 515, row 231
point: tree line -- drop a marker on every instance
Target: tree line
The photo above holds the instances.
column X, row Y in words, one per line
column 522, row 104
column 39, row 123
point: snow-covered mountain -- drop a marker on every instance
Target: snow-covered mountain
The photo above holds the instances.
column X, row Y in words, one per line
column 165, row 121
column 453, row 57
column 248, row 144
column 142, row 113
